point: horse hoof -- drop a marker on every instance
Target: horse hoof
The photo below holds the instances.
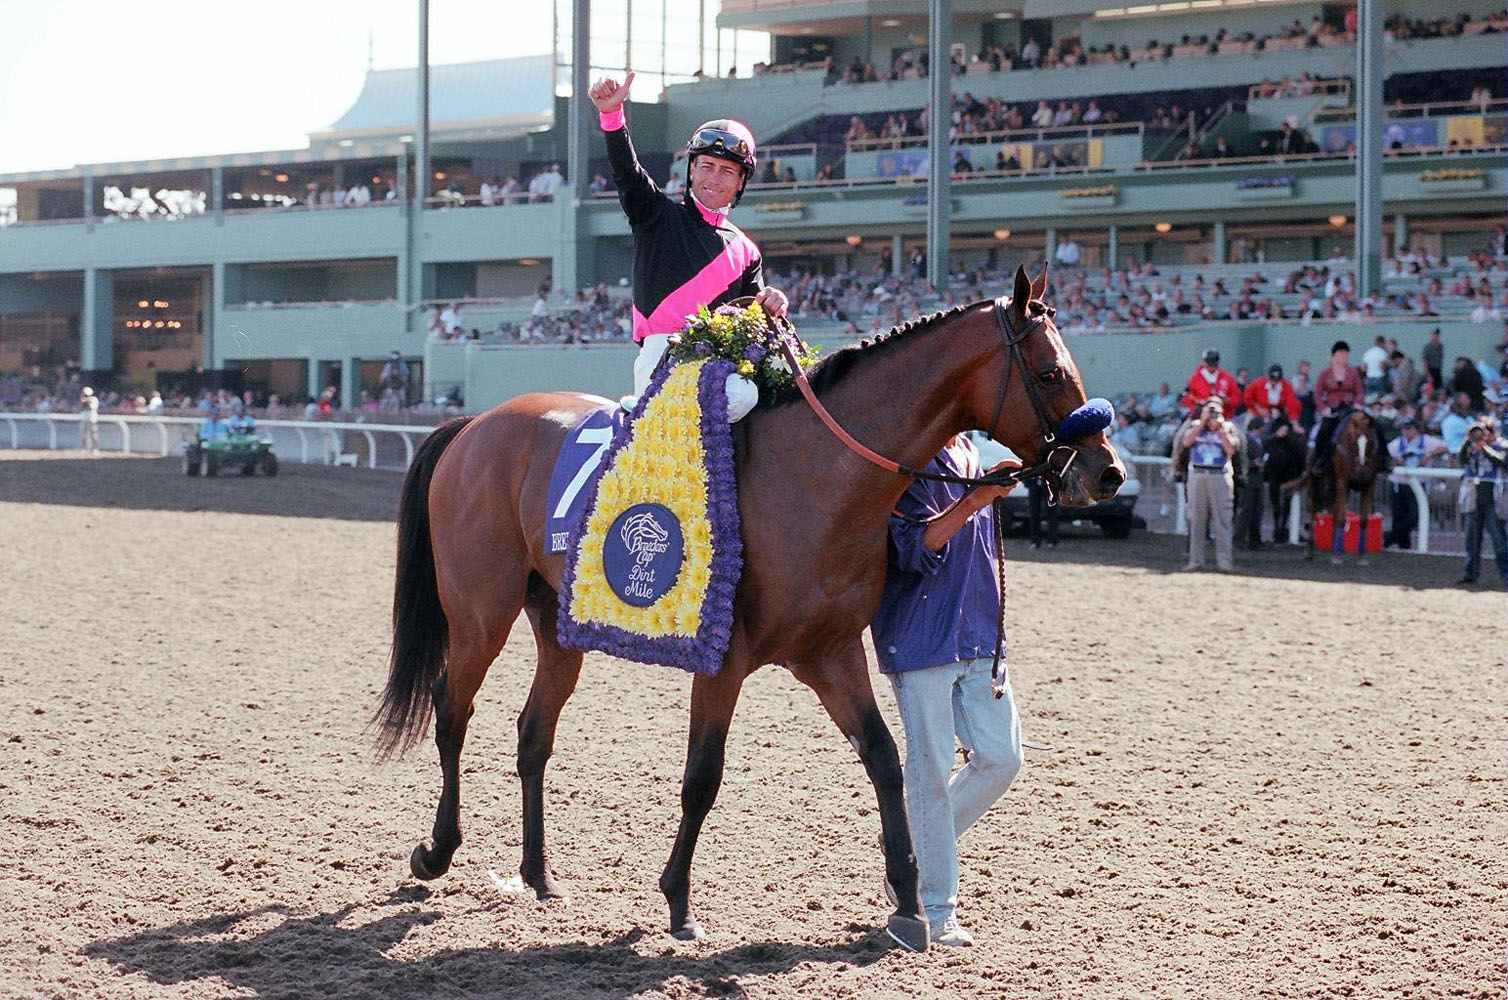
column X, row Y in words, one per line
column 548, row 888
column 1337, row 561
column 908, row 932
column 689, row 931
column 419, row 868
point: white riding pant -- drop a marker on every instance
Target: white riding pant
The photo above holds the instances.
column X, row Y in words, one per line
column 743, row 395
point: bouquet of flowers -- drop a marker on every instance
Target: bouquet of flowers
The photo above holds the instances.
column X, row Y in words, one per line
column 744, row 336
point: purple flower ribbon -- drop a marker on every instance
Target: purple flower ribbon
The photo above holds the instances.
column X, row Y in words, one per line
column 702, row 653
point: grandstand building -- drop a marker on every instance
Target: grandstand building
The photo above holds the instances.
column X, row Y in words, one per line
column 1212, row 139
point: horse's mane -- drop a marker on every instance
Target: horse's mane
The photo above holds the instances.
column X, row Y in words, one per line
column 833, row 368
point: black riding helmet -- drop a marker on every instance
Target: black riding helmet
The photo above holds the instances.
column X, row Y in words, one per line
column 728, row 140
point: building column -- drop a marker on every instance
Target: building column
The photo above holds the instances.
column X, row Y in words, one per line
column 1050, row 247
column 1400, row 232
column 940, row 173
column 217, row 194
column 897, row 255
column 313, row 373
column 350, row 383
column 1113, row 248
column 89, row 201
column 1370, row 52
column 1219, row 251
column 97, row 323
column 211, row 301
column 573, row 264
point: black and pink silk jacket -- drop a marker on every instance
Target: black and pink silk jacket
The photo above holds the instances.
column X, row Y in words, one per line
column 685, row 256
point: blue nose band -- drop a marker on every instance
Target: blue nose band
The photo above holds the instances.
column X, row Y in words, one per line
column 1091, row 418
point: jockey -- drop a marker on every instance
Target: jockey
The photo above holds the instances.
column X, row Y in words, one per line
column 1209, row 379
column 212, row 426
column 686, row 252
column 1337, row 391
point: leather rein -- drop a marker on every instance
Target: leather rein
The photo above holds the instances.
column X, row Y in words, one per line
column 1047, row 469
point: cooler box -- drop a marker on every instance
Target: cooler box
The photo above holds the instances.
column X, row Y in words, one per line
column 1324, row 531
column 1353, row 531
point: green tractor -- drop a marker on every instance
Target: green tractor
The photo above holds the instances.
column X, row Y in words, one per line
column 247, row 452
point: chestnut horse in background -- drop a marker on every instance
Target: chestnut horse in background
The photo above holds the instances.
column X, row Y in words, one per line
column 1356, row 461
column 472, row 555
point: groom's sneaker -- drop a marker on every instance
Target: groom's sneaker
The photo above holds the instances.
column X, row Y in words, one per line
column 951, row 934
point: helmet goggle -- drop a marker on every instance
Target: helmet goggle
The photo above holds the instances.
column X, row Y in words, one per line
column 716, row 140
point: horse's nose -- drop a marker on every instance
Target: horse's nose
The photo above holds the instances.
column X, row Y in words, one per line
column 1111, row 480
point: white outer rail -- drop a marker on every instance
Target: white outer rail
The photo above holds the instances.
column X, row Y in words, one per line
column 330, row 430
column 1414, row 478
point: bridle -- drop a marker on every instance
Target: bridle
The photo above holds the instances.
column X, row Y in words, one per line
column 1051, row 466
column 1055, row 458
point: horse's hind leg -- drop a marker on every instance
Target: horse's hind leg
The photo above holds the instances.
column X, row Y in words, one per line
column 474, row 644
column 554, row 680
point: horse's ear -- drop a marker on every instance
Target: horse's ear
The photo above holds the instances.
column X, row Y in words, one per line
column 1039, row 287
column 1023, row 293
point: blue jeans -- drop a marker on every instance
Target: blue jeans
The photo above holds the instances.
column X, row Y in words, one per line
column 1484, row 518
column 938, row 704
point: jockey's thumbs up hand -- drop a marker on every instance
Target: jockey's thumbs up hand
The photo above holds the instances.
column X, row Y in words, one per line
column 608, row 94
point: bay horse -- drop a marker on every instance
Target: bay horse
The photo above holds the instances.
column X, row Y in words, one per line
column 1356, row 461
column 472, row 555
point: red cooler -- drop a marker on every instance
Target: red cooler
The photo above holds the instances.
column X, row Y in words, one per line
column 1353, row 531
column 1324, row 531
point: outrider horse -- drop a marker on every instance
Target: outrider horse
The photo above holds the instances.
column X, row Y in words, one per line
column 1356, row 460
column 472, row 555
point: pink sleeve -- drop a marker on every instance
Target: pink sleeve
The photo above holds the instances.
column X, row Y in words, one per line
column 611, row 121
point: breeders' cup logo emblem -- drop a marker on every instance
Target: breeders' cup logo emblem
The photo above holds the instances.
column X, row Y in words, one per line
column 642, row 554
column 643, row 537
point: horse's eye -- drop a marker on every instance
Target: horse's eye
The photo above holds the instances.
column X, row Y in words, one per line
column 1050, row 378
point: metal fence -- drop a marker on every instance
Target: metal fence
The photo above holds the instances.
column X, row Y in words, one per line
column 391, row 446
column 1440, row 530
column 377, row 446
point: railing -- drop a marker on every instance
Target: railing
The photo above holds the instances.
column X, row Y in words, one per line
column 1316, row 88
column 1049, row 134
column 1439, row 531
column 981, row 175
column 303, row 206
column 327, row 438
column 313, row 304
column 1430, row 110
column 519, row 197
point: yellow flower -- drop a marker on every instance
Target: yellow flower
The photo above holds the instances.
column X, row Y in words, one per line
column 745, row 367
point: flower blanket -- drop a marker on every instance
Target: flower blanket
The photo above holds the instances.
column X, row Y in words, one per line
column 652, row 567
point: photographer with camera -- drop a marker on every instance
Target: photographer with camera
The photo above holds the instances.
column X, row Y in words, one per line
column 1484, row 497
column 1212, row 445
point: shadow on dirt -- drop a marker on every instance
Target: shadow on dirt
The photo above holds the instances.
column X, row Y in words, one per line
column 322, row 955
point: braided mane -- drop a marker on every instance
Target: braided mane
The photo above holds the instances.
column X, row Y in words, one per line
column 831, row 369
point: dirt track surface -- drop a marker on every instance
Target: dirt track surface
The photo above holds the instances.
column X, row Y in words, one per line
column 1264, row 786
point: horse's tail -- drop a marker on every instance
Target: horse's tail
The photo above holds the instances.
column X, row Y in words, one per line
column 420, row 632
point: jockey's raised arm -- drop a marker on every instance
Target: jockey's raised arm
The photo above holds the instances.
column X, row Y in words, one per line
column 686, row 253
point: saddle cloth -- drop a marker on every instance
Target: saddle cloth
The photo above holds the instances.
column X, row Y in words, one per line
column 654, row 558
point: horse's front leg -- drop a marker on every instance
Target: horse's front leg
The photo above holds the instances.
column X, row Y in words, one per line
column 841, row 681
column 712, row 702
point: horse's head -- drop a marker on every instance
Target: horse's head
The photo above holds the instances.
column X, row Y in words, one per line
column 1035, row 403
